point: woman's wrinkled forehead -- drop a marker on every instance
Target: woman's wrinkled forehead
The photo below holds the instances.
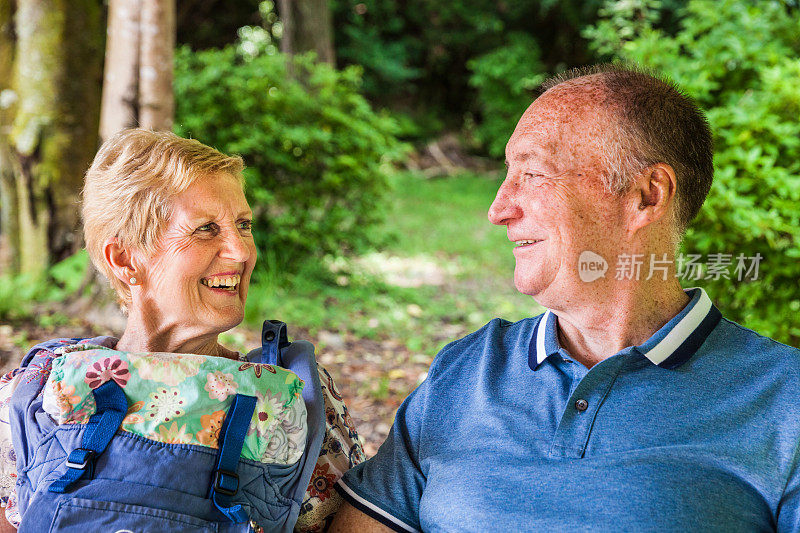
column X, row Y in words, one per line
column 210, row 197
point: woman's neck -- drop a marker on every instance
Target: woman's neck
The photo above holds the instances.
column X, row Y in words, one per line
column 141, row 336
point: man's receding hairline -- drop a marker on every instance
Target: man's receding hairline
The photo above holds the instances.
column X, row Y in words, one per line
column 589, row 91
column 603, row 73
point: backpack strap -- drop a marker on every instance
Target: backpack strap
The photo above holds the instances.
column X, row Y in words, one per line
column 273, row 340
column 112, row 407
column 298, row 357
column 53, row 344
column 224, row 480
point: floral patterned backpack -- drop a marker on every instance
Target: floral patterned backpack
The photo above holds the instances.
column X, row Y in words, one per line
column 118, row 441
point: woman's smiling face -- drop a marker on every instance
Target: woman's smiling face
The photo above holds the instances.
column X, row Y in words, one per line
column 198, row 278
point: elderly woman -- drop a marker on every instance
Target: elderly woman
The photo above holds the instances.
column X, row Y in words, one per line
column 212, row 438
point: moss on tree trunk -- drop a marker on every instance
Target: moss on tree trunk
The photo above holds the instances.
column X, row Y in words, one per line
column 56, row 79
column 9, row 228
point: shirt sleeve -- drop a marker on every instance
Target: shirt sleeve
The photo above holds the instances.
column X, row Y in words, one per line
column 8, row 460
column 389, row 486
column 788, row 515
column 341, row 450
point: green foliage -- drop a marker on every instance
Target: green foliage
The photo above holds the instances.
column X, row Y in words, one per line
column 505, row 79
column 19, row 292
column 400, row 43
column 318, row 156
column 740, row 62
column 415, row 52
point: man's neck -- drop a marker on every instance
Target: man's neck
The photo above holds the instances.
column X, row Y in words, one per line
column 628, row 315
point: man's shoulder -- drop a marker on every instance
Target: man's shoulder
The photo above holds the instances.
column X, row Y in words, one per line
column 737, row 337
column 496, row 331
column 497, row 339
column 734, row 350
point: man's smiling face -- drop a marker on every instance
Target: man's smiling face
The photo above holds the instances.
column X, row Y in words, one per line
column 553, row 201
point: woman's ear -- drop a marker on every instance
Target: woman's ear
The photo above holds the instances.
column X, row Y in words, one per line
column 121, row 262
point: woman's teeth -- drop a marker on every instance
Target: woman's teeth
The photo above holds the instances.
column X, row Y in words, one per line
column 222, row 282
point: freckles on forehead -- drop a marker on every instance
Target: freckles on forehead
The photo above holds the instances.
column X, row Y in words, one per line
column 539, row 138
column 563, row 124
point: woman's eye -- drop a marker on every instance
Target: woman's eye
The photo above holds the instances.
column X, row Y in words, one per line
column 207, row 227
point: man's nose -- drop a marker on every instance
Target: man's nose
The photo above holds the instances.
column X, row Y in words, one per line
column 505, row 207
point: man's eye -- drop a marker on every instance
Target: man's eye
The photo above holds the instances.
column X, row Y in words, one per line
column 207, row 227
column 246, row 225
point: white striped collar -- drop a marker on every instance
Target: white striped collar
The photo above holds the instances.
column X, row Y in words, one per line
column 669, row 347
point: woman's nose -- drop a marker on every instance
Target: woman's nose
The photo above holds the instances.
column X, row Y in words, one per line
column 236, row 248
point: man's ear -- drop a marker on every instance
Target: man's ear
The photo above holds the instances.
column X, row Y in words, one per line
column 652, row 195
column 120, row 260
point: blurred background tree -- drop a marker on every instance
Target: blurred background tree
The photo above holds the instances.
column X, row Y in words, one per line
column 137, row 80
column 49, row 102
column 306, row 27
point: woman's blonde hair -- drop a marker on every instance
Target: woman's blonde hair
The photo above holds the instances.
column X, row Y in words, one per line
column 129, row 188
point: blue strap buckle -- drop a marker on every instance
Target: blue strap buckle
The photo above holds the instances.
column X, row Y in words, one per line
column 225, row 482
column 111, row 408
column 79, row 458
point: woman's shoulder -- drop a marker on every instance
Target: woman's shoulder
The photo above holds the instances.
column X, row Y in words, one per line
column 62, row 345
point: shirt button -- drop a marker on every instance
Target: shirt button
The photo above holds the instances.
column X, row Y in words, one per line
column 581, row 405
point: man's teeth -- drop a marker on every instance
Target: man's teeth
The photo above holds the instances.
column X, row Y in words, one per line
column 523, row 243
column 223, row 282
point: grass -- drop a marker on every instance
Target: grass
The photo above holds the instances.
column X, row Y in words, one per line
column 439, row 226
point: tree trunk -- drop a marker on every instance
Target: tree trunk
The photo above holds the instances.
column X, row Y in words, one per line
column 120, row 106
column 287, row 22
column 137, row 88
column 56, row 80
column 156, row 101
column 9, row 217
column 310, row 28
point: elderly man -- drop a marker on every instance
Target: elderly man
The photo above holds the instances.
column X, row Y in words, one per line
column 630, row 404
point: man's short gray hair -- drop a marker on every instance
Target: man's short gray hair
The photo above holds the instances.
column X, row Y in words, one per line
column 657, row 123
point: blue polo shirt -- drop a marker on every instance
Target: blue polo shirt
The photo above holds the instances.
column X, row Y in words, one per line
column 697, row 429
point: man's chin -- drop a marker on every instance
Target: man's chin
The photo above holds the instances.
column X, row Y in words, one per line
column 527, row 285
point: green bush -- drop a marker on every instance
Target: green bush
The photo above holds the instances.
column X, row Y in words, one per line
column 504, row 79
column 739, row 60
column 317, row 155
